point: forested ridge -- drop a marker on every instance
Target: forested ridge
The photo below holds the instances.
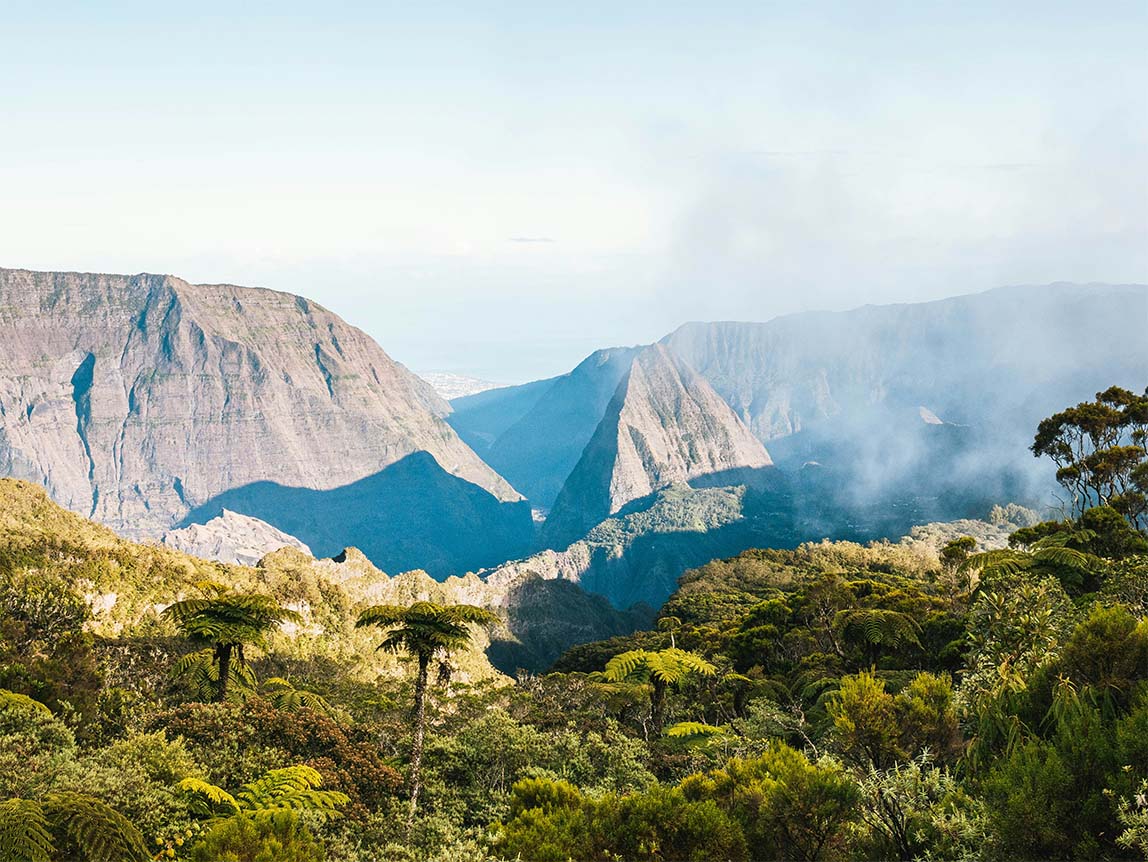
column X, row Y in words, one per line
column 836, row 701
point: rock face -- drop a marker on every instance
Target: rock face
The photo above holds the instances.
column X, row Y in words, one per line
column 664, row 425
column 231, row 538
column 535, row 433
column 637, row 556
column 137, row 400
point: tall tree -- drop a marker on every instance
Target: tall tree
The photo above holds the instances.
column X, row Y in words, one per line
column 661, row 670
column 1100, row 449
column 428, row 632
column 227, row 622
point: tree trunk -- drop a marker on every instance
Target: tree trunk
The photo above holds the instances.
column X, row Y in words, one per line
column 420, row 732
column 657, row 705
column 223, row 655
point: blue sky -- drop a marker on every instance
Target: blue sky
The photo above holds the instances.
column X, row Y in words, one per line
column 498, row 189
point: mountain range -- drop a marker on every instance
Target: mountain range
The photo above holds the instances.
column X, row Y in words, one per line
column 155, row 406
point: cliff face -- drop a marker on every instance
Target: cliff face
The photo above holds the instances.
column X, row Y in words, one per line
column 664, row 425
column 138, row 399
column 535, row 433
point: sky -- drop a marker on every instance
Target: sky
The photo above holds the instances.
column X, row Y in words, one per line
column 499, row 189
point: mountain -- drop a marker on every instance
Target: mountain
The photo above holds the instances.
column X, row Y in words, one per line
column 449, row 385
column 664, row 425
column 863, row 393
column 535, row 434
column 147, row 403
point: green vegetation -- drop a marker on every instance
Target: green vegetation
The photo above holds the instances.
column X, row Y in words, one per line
column 939, row 698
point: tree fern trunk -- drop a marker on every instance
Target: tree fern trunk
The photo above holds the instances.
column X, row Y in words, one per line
column 657, row 706
column 420, row 732
column 223, row 654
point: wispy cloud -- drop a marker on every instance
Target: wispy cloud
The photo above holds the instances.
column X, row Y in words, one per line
column 531, row 239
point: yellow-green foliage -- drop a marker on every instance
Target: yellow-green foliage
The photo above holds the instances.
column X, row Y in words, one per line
column 128, row 584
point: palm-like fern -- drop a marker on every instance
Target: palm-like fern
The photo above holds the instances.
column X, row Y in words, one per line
column 227, row 621
column 25, row 834
column 1048, row 556
column 283, row 695
column 874, row 628
column 661, row 670
column 296, row 788
column 199, row 671
column 97, row 832
column 426, row 631
column 694, row 730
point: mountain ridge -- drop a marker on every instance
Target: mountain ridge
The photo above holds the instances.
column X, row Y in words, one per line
column 138, row 399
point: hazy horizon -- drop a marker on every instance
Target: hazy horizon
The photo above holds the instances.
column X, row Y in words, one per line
column 496, row 191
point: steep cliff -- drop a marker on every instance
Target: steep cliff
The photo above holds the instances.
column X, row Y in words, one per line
column 664, row 425
column 137, row 400
column 536, row 432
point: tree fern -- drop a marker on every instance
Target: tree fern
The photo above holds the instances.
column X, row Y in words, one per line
column 1046, row 557
column 283, row 695
column 693, row 730
column 876, row 627
column 98, row 832
column 24, row 832
column 661, row 669
column 668, row 666
column 427, row 631
column 227, row 621
column 294, row 787
column 207, row 799
column 200, row 673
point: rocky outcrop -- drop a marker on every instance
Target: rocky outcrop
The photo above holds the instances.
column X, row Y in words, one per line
column 664, row 425
column 137, row 400
column 231, row 538
column 635, row 558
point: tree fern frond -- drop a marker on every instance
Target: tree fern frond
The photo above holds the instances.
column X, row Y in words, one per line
column 690, row 729
column 1068, row 558
column 101, row 833
column 24, row 832
column 668, row 665
column 624, row 664
column 283, row 695
column 381, row 615
column 1003, row 559
column 294, row 787
column 209, row 800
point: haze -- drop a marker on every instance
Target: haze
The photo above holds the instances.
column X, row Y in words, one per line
column 497, row 190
